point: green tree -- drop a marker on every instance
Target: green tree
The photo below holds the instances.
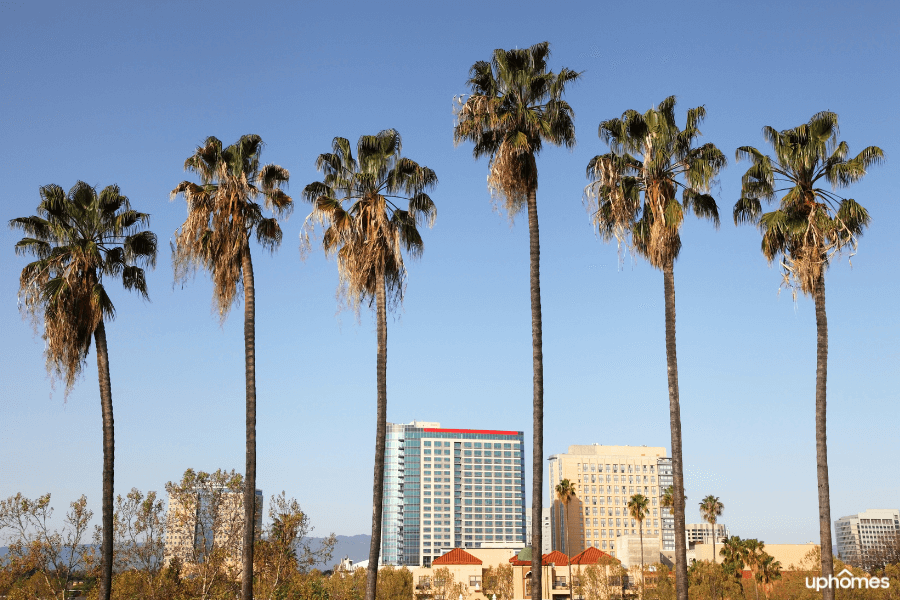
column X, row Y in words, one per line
column 223, row 214
column 514, row 106
column 79, row 239
column 40, row 558
column 565, row 490
column 651, row 157
column 356, row 203
column 734, row 555
column 810, row 226
column 639, row 509
column 711, row 509
column 498, row 581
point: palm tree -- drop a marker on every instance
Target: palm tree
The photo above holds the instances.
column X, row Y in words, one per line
column 223, row 214
column 564, row 492
column 78, row 239
column 711, row 509
column 734, row 554
column 649, row 154
column 639, row 508
column 809, row 227
column 356, row 202
column 514, row 107
column 769, row 572
column 753, row 555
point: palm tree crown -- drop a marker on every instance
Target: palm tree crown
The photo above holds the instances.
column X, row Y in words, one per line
column 811, row 223
column 223, row 212
column 515, row 106
column 356, row 202
column 79, row 239
column 711, row 509
column 649, row 154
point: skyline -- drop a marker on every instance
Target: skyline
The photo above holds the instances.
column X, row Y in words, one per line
column 129, row 102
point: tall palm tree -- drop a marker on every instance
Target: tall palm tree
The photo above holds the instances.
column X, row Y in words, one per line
column 711, row 509
column 753, row 557
column 79, row 239
column 357, row 203
column 809, row 227
column 651, row 157
column 516, row 105
column 223, row 214
column 565, row 490
column 639, row 509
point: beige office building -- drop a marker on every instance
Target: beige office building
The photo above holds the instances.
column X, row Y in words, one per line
column 605, row 478
column 864, row 534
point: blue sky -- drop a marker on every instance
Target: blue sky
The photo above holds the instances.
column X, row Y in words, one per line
column 123, row 92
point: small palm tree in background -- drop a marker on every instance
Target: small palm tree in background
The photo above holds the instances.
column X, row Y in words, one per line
column 651, row 156
column 753, row 557
column 711, row 509
column 82, row 239
column 734, row 556
column 223, row 215
column 804, row 233
column 515, row 106
column 769, row 572
column 356, row 202
column 639, row 509
column 564, row 493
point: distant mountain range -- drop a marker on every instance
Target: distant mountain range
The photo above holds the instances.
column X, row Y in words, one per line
column 354, row 547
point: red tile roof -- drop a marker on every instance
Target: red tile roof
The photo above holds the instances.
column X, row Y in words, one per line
column 556, row 557
column 591, row 556
column 457, row 556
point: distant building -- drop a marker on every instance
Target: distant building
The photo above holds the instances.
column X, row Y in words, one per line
column 197, row 522
column 861, row 535
column 546, row 532
column 702, row 533
column 605, row 478
column 450, row 488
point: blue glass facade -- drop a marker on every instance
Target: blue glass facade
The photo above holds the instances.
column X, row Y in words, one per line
column 450, row 488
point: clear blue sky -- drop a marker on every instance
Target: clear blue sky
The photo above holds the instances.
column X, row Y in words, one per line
column 123, row 92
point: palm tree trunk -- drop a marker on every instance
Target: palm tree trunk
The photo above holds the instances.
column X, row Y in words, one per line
column 537, row 440
column 250, row 475
column 641, row 531
column 106, row 543
column 568, row 552
column 380, row 435
column 681, row 587
column 821, row 435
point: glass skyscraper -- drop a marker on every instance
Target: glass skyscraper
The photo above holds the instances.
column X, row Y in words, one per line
column 450, row 488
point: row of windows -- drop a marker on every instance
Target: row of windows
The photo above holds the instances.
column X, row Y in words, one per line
column 615, row 468
column 588, row 511
column 479, row 445
column 615, row 479
column 618, row 532
column 602, row 523
column 609, row 501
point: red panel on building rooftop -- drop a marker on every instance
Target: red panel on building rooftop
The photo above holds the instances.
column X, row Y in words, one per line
column 472, row 431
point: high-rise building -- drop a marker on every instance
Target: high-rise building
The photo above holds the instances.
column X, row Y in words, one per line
column 605, row 478
column 205, row 520
column 667, row 515
column 864, row 534
column 450, row 488
column 545, row 529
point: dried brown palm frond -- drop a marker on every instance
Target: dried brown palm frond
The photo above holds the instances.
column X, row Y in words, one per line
column 224, row 212
column 80, row 238
column 363, row 227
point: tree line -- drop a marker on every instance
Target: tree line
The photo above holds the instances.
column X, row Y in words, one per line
column 371, row 205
